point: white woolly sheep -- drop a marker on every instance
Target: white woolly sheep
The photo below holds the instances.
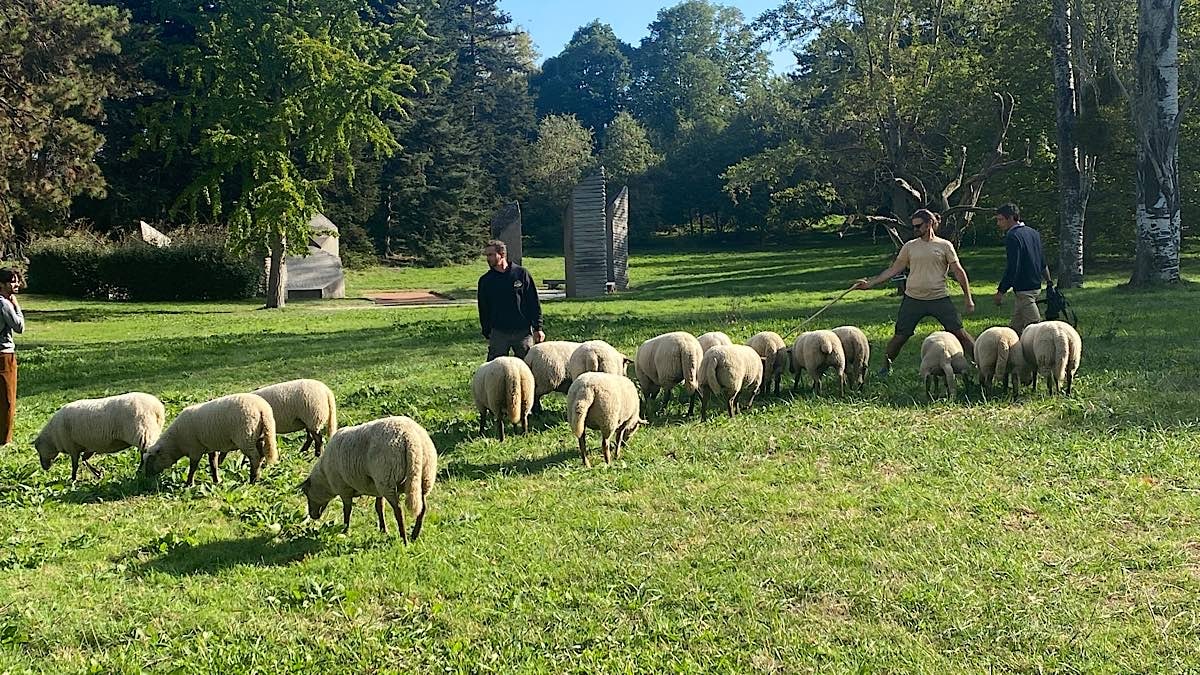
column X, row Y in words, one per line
column 1053, row 349
column 216, row 428
column 666, row 361
column 607, row 403
column 942, row 358
column 857, row 350
column 385, row 459
column 815, row 352
column 710, row 340
column 504, row 388
column 303, row 405
column 596, row 356
column 775, row 353
column 998, row 354
column 97, row 426
column 548, row 362
column 733, row 372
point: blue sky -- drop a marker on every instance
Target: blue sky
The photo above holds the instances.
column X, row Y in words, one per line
column 552, row 23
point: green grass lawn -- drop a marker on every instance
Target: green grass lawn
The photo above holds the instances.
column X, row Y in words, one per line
column 871, row 533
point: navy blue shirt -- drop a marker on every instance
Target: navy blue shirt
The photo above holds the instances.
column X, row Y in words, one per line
column 1025, row 259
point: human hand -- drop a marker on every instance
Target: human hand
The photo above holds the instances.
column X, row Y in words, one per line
column 539, row 336
column 861, row 285
column 999, row 299
column 970, row 306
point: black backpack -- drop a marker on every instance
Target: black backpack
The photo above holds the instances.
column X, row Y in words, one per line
column 1058, row 308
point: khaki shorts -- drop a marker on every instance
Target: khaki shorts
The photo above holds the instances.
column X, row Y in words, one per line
column 1025, row 310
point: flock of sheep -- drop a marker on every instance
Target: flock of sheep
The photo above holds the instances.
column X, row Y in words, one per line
column 394, row 457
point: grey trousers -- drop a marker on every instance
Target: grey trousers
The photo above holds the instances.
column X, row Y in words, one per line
column 501, row 341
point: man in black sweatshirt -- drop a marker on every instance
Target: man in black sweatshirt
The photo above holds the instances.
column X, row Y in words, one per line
column 1025, row 268
column 510, row 314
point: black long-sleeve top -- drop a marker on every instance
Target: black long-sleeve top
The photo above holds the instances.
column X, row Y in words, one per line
column 1026, row 262
column 508, row 300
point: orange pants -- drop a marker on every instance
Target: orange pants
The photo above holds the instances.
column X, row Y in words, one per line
column 8, row 396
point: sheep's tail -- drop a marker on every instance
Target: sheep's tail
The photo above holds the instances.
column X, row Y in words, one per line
column 415, row 480
column 513, row 397
column 951, row 383
column 1003, row 350
column 690, row 361
column 267, row 444
column 331, row 426
column 578, row 409
column 1061, row 354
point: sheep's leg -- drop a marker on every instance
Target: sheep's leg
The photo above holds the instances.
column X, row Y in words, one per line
column 583, row 449
column 1070, row 381
column 816, row 385
column 193, row 466
column 605, row 449
column 308, row 440
column 929, row 387
column 483, row 423
column 524, row 424
column 74, row 467
column 212, row 468
column 796, row 382
column 692, row 405
column 750, row 403
column 732, row 407
column 95, row 472
column 500, row 428
column 255, row 468
column 704, row 406
column 537, row 407
column 347, row 504
column 666, row 402
column 842, row 384
column 419, row 519
column 398, row 513
column 620, row 442
column 379, row 514
column 319, row 444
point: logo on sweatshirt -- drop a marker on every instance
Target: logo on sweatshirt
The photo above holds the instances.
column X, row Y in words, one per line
column 518, row 285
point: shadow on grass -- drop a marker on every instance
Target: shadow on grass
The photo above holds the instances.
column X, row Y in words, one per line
column 217, row 556
column 106, row 489
column 523, row 466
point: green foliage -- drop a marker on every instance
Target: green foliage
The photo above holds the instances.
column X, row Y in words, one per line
column 589, row 79
column 627, row 152
column 56, row 71
column 197, row 266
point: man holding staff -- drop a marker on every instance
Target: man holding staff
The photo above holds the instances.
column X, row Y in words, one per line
column 928, row 259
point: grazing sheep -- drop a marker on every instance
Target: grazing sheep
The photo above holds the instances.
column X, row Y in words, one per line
column 815, row 352
column 385, row 458
column 548, row 362
column 303, row 405
column 733, row 372
column 1053, row 349
column 666, row 361
column 942, row 358
column 607, row 403
column 710, row 340
column 858, row 354
column 97, row 426
column 998, row 354
column 775, row 354
column 216, row 428
column 503, row 387
column 596, row 356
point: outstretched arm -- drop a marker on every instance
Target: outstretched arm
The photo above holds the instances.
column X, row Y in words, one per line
column 896, row 268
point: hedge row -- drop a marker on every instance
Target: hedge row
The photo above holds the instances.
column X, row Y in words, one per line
column 194, row 267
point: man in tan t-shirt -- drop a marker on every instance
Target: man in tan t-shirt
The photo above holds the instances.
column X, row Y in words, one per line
column 928, row 259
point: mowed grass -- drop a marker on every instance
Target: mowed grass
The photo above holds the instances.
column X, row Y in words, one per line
column 871, row 533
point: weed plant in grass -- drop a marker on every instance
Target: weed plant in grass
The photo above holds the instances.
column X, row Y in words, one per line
column 871, row 532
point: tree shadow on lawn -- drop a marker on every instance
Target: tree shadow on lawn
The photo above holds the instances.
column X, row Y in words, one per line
column 523, row 466
column 217, row 556
column 106, row 489
column 110, row 312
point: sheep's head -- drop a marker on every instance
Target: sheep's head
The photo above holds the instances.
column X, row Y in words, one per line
column 315, row 505
column 45, row 450
column 155, row 460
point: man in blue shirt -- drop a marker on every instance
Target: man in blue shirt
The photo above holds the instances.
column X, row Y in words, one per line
column 1025, row 269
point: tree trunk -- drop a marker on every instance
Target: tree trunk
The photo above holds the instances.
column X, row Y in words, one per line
column 277, row 274
column 1156, row 119
column 1074, row 166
